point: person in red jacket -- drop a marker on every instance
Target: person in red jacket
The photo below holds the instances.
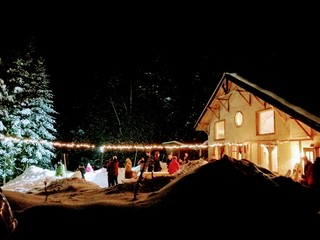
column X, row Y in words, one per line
column 174, row 165
column 307, row 171
column 113, row 171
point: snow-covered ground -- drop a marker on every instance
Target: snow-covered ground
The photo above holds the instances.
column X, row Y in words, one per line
column 36, row 177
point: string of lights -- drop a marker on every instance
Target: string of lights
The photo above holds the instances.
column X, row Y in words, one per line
column 149, row 147
column 126, row 147
column 107, row 147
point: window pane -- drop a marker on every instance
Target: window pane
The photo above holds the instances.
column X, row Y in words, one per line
column 266, row 121
column 219, row 130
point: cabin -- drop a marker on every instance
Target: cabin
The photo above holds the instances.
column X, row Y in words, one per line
column 246, row 121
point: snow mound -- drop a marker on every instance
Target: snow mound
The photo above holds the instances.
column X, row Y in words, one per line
column 36, row 177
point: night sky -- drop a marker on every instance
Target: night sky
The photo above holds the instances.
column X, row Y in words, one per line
column 83, row 43
column 77, row 50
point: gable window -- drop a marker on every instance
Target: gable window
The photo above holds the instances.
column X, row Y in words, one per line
column 219, row 130
column 265, row 122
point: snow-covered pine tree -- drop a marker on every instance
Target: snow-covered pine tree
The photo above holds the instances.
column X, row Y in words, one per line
column 32, row 115
column 7, row 159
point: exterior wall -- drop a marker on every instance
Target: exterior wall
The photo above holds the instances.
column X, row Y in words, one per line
column 285, row 157
column 253, row 153
column 286, row 142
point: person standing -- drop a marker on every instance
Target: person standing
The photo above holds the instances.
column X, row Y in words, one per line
column 89, row 168
column 314, row 180
column 169, row 159
column 305, row 177
column 60, row 169
column 113, row 171
column 82, row 170
column 185, row 159
column 110, row 171
column 128, row 169
column 141, row 163
column 116, row 170
column 174, row 165
column 149, row 161
column 157, row 166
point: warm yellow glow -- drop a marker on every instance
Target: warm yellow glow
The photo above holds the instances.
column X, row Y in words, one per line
column 73, row 145
column 149, row 147
column 296, row 156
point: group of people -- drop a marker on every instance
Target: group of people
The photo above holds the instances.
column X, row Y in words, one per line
column 153, row 161
column 311, row 173
column 174, row 164
column 83, row 170
column 148, row 162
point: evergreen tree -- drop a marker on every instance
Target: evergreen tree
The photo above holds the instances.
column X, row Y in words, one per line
column 7, row 159
column 30, row 115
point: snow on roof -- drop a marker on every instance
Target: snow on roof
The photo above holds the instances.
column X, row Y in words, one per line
column 268, row 96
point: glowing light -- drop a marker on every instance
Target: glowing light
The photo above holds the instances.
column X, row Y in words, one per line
column 103, row 148
column 127, row 147
column 73, row 145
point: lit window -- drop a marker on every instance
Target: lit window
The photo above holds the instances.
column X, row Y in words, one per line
column 238, row 119
column 219, row 130
column 265, row 122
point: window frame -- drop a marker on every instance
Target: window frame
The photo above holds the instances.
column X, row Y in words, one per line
column 238, row 118
column 265, row 122
column 219, row 130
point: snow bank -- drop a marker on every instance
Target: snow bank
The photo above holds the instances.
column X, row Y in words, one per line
column 36, row 177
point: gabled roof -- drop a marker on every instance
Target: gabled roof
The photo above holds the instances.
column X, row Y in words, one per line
column 270, row 97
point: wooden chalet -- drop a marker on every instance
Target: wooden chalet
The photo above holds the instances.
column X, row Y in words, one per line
column 246, row 121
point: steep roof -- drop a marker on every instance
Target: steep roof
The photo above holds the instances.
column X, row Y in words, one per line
column 297, row 112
